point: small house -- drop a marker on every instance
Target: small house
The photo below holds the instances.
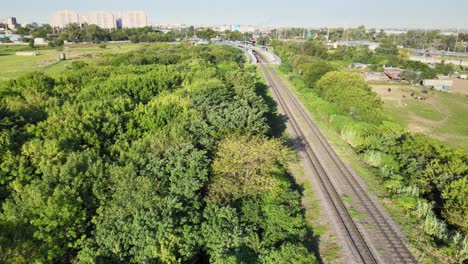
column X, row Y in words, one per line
column 393, row 73
column 40, row 41
column 438, row 85
column 375, row 76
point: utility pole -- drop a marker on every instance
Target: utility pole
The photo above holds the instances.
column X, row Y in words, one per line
column 456, row 42
column 346, row 39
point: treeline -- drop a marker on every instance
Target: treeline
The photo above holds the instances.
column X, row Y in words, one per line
column 425, row 178
column 162, row 155
column 418, row 39
column 386, row 55
column 93, row 33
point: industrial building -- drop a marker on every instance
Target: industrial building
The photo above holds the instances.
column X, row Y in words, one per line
column 353, row 43
column 438, row 85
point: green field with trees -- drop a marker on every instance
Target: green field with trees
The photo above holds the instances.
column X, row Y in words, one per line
column 160, row 155
column 47, row 61
column 413, row 38
column 74, row 33
column 441, row 116
column 425, row 179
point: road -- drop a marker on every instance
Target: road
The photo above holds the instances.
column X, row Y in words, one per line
column 373, row 239
column 439, row 60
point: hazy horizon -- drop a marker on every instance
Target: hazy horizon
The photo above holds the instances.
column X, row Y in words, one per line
column 318, row 13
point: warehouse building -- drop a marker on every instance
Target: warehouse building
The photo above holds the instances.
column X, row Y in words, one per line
column 438, row 85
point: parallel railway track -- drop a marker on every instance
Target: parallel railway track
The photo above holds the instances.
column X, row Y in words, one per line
column 361, row 248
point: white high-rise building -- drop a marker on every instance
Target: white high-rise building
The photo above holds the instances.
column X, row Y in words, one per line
column 104, row 20
column 135, row 19
column 61, row 19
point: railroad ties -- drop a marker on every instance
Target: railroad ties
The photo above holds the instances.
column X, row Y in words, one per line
column 363, row 250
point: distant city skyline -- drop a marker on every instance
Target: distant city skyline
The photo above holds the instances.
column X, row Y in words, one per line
column 311, row 13
column 106, row 20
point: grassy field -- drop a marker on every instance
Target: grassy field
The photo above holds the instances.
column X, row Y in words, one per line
column 441, row 116
column 12, row 65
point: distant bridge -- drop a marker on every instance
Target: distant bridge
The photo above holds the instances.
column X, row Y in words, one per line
column 250, row 49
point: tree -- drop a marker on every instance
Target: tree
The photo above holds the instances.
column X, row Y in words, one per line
column 120, row 162
column 134, row 39
column 387, row 49
column 314, row 48
column 31, row 43
column 222, row 233
column 263, row 41
column 246, row 171
column 41, row 32
column 456, row 196
column 6, row 39
column 312, row 72
column 93, row 33
column 410, row 76
column 351, row 94
column 288, row 253
column 23, row 31
column 72, row 32
column 206, row 34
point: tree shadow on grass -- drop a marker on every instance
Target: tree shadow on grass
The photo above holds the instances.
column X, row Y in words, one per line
column 312, row 241
column 277, row 124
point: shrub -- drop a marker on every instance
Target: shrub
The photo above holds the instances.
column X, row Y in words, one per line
column 352, row 96
column 313, row 71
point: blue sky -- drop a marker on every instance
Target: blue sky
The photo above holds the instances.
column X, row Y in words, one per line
column 344, row 13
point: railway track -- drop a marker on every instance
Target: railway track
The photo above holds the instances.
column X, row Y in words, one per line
column 364, row 251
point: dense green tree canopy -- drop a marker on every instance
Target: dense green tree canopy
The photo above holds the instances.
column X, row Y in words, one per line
column 120, row 161
column 351, row 94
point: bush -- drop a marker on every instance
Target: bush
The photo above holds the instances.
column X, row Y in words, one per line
column 352, row 96
column 103, row 45
column 76, row 65
column 313, row 71
column 134, row 39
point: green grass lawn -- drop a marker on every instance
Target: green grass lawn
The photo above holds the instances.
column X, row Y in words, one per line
column 12, row 66
column 424, row 110
column 443, row 116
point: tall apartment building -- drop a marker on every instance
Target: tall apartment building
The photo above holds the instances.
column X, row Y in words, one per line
column 10, row 22
column 104, row 20
column 134, row 19
column 61, row 19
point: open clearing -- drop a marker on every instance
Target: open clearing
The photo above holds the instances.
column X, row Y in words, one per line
column 11, row 65
column 441, row 116
column 460, row 86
